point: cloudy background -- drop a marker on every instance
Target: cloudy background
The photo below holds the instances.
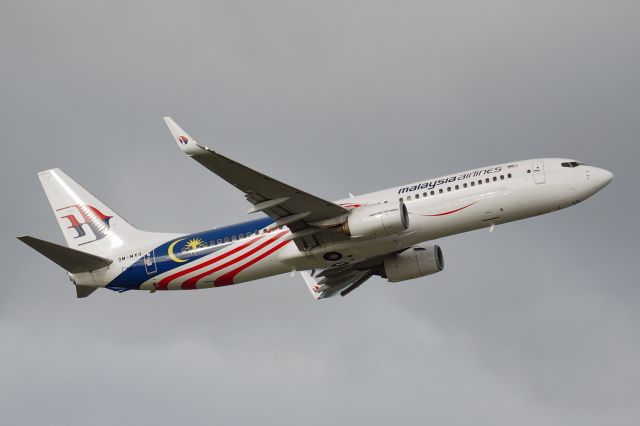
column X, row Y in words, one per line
column 535, row 323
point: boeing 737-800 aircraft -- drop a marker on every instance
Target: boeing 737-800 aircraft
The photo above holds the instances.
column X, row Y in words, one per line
column 335, row 246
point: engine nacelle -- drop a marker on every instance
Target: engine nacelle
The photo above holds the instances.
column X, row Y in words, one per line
column 378, row 220
column 415, row 262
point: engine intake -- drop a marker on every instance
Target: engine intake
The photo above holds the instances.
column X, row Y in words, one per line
column 378, row 220
column 415, row 262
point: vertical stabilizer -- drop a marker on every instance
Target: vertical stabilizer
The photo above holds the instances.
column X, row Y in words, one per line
column 87, row 224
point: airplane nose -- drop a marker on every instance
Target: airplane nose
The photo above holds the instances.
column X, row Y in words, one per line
column 601, row 177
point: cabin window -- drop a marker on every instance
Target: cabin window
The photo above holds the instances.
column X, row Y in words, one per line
column 473, row 183
column 417, row 196
column 441, row 191
column 509, row 175
column 400, row 199
column 495, row 178
column 433, row 192
column 226, row 239
column 448, row 189
column 424, row 195
column 501, row 177
column 409, row 198
column 457, row 187
column 233, row 238
column 219, row 240
column 487, row 180
column 241, row 236
column 464, row 185
column 480, row 182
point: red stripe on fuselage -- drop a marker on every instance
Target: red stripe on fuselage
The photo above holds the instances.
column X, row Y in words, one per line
column 452, row 211
column 164, row 283
column 191, row 282
column 227, row 278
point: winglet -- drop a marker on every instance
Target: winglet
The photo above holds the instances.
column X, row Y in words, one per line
column 187, row 144
column 312, row 285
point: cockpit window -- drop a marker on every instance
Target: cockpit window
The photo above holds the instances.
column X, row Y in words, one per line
column 572, row 164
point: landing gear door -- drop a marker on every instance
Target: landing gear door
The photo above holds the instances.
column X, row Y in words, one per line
column 538, row 172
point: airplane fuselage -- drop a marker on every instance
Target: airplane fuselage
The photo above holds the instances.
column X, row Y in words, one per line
column 437, row 208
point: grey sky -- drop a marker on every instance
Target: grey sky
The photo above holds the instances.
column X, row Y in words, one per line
column 536, row 323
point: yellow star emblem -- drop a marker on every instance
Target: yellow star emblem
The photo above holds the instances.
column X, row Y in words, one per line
column 193, row 244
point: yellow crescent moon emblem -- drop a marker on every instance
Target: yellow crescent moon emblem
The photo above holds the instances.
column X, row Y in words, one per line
column 170, row 252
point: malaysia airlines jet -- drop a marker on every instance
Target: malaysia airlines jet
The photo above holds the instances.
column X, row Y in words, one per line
column 335, row 246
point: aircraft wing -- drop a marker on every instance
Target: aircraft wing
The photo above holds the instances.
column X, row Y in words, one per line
column 342, row 280
column 285, row 204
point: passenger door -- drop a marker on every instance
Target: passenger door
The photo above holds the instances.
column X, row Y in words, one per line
column 537, row 169
column 150, row 263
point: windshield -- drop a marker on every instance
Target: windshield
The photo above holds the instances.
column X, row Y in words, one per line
column 572, row 164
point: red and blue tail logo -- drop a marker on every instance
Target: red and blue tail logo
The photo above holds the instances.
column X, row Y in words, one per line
column 83, row 218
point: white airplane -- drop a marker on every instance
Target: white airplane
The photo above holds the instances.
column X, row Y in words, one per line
column 335, row 246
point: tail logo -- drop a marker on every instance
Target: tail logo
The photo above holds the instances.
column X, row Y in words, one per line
column 92, row 219
column 183, row 140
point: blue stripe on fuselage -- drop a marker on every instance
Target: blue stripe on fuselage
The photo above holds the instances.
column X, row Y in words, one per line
column 138, row 272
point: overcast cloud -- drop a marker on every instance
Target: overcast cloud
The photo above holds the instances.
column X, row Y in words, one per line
column 535, row 323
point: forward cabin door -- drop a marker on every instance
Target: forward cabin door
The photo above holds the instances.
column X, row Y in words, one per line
column 538, row 172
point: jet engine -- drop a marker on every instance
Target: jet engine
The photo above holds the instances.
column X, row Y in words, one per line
column 415, row 262
column 377, row 220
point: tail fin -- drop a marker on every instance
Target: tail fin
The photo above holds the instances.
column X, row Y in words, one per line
column 88, row 225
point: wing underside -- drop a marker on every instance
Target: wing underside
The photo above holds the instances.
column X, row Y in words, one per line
column 342, row 280
column 343, row 284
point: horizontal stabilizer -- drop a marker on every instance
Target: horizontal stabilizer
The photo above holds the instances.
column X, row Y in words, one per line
column 71, row 260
